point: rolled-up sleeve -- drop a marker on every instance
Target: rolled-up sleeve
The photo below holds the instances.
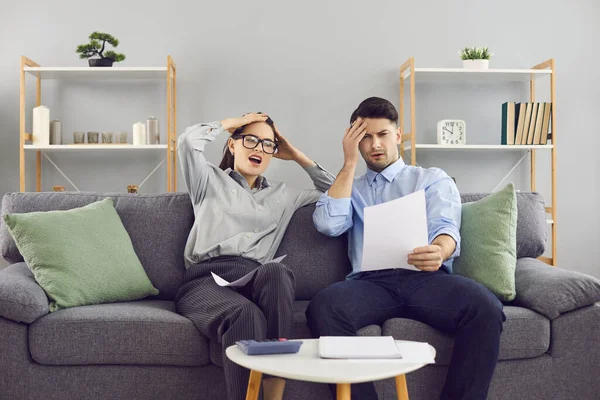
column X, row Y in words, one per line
column 444, row 210
column 190, row 148
column 333, row 217
column 322, row 179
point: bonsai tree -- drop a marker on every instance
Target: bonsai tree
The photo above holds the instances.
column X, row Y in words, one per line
column 475, row 53
column 96, row 47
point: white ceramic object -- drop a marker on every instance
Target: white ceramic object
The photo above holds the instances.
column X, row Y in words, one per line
column 139, row 134
column 41, row 126
column 476, row 64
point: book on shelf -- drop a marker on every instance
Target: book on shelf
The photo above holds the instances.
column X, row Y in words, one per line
column 534, row 110
column 508, row 123
column 526, row 123
column 520, row 118
column 546, row 124
column 538, row 124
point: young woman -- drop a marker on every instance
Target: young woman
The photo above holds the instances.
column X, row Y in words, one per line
column 240, row 219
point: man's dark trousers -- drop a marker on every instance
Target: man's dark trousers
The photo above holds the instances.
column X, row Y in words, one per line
column 452, row 304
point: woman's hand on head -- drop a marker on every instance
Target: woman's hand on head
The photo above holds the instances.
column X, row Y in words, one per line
column 286, row 151
column 231, row 124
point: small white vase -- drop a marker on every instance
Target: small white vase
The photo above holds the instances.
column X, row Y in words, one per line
column 139, row 134
column 476, row 64
column 41, row 126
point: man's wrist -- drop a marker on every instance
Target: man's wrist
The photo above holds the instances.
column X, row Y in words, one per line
column 447, row 244
column 349, row 166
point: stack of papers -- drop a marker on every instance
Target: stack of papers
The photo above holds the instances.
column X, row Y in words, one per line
column 393, row 230
column 373, row 347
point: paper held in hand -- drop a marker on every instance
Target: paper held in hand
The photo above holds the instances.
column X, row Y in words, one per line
column 392, row 230
column 244, row 279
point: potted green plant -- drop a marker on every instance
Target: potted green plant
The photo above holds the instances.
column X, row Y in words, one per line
column 95, row 52
column 475, row 57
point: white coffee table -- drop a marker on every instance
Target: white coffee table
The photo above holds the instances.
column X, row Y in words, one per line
column 306, row 365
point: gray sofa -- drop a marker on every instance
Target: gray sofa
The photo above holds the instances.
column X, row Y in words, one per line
column 144, row 350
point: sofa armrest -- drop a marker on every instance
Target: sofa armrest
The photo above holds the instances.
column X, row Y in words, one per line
column 552, row 291
column 21, row 298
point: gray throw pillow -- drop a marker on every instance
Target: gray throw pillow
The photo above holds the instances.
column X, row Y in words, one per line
column 552, row 291
column 21, row 298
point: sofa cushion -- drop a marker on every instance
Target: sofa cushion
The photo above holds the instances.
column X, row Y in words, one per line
column 300, row 331
column 138, row 332
column 21, row 298
column 553, row 291
column 525, row 334
column 158, row 225
column 531, row 222
column 80, row 256
column 316, row 260
column 488, row 253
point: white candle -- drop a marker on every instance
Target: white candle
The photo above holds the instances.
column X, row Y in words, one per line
column 41, row 126
column 139, row 134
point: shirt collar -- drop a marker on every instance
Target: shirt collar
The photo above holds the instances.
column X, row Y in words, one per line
column 389, row 173
column 261, row 181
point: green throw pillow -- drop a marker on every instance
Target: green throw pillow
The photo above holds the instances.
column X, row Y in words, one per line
column 488, row 251
column 80, row 256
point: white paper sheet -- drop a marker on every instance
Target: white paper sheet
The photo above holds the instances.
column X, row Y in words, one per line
column 244, row 279
column 358, row 347
column 393, row 230
column 418, row 352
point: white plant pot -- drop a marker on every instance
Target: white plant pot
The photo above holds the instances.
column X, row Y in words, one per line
column 476, row 64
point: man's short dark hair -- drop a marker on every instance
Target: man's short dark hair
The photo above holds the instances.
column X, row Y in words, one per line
column 375, row 107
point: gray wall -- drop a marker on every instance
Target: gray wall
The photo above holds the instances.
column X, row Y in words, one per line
column 308, row 64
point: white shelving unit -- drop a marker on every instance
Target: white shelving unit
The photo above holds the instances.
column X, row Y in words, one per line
column 409, row 73
column 94, row 147
column 500, row 147
column 437, row 75
column 167, row 73
column 77, row 73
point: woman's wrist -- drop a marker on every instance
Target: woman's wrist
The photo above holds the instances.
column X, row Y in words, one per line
column 303, row 160
column 227, row 124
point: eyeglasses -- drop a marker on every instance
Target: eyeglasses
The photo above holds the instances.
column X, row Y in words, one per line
column 251, row 141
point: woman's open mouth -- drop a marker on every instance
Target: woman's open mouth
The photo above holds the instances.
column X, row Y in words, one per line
column 255, row 159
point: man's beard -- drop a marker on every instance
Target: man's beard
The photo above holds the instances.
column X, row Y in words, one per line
column 381, row 164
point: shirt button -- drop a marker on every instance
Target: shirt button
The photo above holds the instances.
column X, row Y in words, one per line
column 255, row 230
column 260, row 208
column 277, row 201
column 248, row 235
column 233, row 190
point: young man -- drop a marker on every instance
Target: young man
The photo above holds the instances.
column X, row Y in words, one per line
column 452, row 304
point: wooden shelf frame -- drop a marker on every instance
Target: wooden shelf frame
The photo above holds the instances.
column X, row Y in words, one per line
column 30, row 67
column 547, row 68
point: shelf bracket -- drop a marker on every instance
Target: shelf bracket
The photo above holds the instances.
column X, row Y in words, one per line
column 151, row 173
column 75, row 186
column 511, row 170
column 62, row 173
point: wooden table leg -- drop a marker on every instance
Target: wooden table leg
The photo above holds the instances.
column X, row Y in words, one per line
column 401, row 388
column 254, row 385
column 343, row 391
